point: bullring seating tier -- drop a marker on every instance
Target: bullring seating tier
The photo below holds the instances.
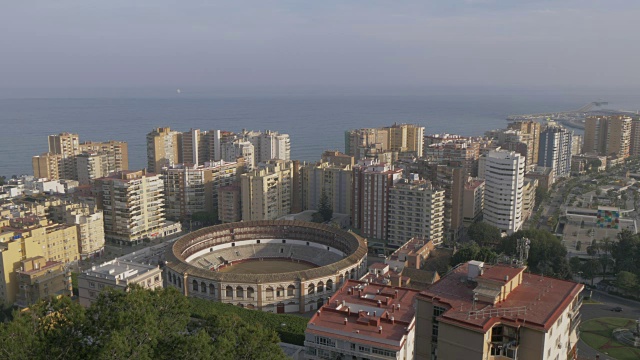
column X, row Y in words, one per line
column 314, row 255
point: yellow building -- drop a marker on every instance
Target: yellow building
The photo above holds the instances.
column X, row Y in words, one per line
column 29, row 237
column 162, row 149
column 39, row 279
column 497, row 312
column 267, row 192
column 46, row 166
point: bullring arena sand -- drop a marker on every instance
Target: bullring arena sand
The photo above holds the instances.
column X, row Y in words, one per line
column 271, row 266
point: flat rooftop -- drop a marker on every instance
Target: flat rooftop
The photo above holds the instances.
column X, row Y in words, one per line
column 118, row 270
column 536, row 303
column 359, row 309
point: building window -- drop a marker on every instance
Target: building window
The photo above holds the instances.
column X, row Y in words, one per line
column 364, row 349
column 195, row 285
column 92, row 285
column 325, row 341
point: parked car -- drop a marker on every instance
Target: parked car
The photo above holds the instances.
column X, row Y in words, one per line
column 617, row 309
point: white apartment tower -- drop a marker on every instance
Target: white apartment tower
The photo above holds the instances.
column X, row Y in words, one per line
column 416, row 209
column 504, row 178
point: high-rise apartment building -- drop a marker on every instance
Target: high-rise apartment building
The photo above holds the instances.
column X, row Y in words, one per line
column 229, row 203
column 162, row 149
column 190, row 189
column 528, row 197
column 478, row 311
column 61, row 162
column 337, row 158
column 530, row 132
column 453, row 149
column 472, row 201
column 401, row 138
column 90, row 166
column 451, row 178
column 608, row 135
column 576, row 144
column 503, row 172
column 416, row 209
column 133, row 205
column 67, row 146
column 268, row 145
column 555, row 150
column 634, row 141
column 372, row 183
column 335, row 181
column 267, row 192
column 117, row 153
column 232, row 150
column 47, row 166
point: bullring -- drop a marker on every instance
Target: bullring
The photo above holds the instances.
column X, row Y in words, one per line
column 215, row 263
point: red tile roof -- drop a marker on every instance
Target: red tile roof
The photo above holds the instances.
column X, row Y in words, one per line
column 543, row 298
column 366, row 307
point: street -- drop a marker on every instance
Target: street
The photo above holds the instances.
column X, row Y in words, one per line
column 630, row 310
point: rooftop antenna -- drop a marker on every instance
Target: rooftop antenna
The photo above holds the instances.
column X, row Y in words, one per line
column 522, row 249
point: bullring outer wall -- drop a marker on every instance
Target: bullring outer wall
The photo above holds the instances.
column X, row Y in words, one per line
column 297, row 291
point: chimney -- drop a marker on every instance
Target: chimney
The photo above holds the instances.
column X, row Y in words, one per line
column 393, row 320
column 346, row 321
column 379, row 329
column 318, row 312
column 506, row 278
column 398, row 306
column 374, row 313
column 348, row 311
column 386, row 301
column 379, row 303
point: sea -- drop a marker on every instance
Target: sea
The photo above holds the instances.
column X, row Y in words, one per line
column 314, row 122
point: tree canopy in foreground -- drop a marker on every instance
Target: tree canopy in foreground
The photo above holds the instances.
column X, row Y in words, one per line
column 139, row 324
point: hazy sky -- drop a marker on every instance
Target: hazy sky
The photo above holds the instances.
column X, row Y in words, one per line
column 324, row 43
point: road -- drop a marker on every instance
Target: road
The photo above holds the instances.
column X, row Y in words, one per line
column 630, row 310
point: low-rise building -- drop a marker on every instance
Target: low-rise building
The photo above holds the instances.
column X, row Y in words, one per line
column 498, row 312
column 544, row 175
column 528, row 197
column 364, row 321
column 116, row 274
column 29, row 237
column 39, row 279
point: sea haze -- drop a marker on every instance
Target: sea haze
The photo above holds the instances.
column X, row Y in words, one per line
column 314, row 123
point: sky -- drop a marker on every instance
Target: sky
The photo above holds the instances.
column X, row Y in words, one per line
column 267, row 44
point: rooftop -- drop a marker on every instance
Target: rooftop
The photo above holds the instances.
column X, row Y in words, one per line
column 536, row 303
column 119, row 270
column 367, row 313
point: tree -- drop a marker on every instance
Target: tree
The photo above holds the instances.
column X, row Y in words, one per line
column 541, row 195
column 626, row 252
column 547, row 255
column 137, row 324
column 627, row 281
column 324, row 208
column 575, row 264
column 484, row 234
column 205, row 218
column 3, row 180
column 590, row 269
column 471, row 251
